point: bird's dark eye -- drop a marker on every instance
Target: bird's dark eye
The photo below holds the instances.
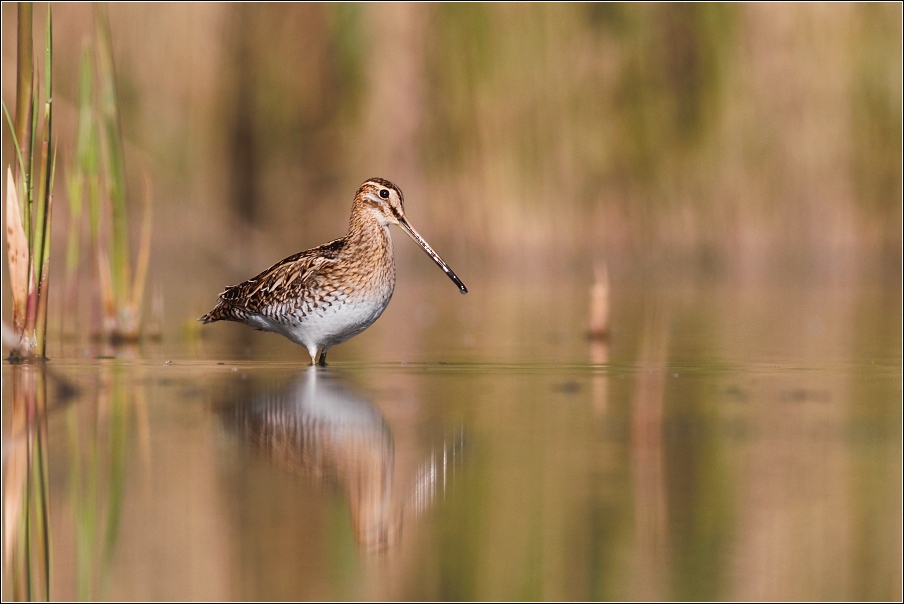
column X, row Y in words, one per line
column 384, row 193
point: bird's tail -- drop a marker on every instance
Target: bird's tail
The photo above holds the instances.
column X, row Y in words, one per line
column 220, row 312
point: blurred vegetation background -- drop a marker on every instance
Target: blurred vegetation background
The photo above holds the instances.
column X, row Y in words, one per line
column 741, row 140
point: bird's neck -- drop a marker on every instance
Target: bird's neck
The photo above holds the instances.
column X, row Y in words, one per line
column 365, row 230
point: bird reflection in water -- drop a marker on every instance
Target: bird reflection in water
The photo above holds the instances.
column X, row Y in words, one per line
column 318, row 428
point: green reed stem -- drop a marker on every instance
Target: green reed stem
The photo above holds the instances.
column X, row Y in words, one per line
column 85, row 165
column 114, row 158
column 45, row 198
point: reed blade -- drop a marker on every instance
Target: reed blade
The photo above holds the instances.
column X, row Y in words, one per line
column 44, row 284
column 20, row 165
column 47, row 169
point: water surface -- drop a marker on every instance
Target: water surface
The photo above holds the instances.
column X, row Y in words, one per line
column 725, row 442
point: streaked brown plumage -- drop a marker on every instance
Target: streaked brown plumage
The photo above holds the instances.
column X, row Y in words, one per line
column 325, row 295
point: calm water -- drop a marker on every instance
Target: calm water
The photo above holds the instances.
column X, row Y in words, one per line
column 726, row 442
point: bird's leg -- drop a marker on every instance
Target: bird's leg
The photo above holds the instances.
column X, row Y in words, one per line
column 313, row 350
column 322, row 361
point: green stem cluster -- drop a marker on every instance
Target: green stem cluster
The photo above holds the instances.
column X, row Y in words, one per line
column 98, row 175
column 30, row 198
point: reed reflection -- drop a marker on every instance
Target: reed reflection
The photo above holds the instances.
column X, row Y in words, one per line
column 652, row 549
column 26, row 552
column 317, row 427
column 103, row 432
column 98, row 447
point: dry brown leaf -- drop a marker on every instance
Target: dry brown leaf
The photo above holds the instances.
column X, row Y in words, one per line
column 17, row 244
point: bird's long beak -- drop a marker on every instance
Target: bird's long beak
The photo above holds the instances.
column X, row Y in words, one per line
column 403, row 222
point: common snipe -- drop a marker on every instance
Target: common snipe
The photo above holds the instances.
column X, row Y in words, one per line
column 325, row 295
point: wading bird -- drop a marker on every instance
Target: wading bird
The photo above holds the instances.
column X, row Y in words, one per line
column 325, row 295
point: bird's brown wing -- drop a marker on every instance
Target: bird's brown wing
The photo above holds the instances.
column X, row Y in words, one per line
column 279, row 289
column 284, row 283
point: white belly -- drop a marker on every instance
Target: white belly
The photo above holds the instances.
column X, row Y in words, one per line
column 317, row 328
